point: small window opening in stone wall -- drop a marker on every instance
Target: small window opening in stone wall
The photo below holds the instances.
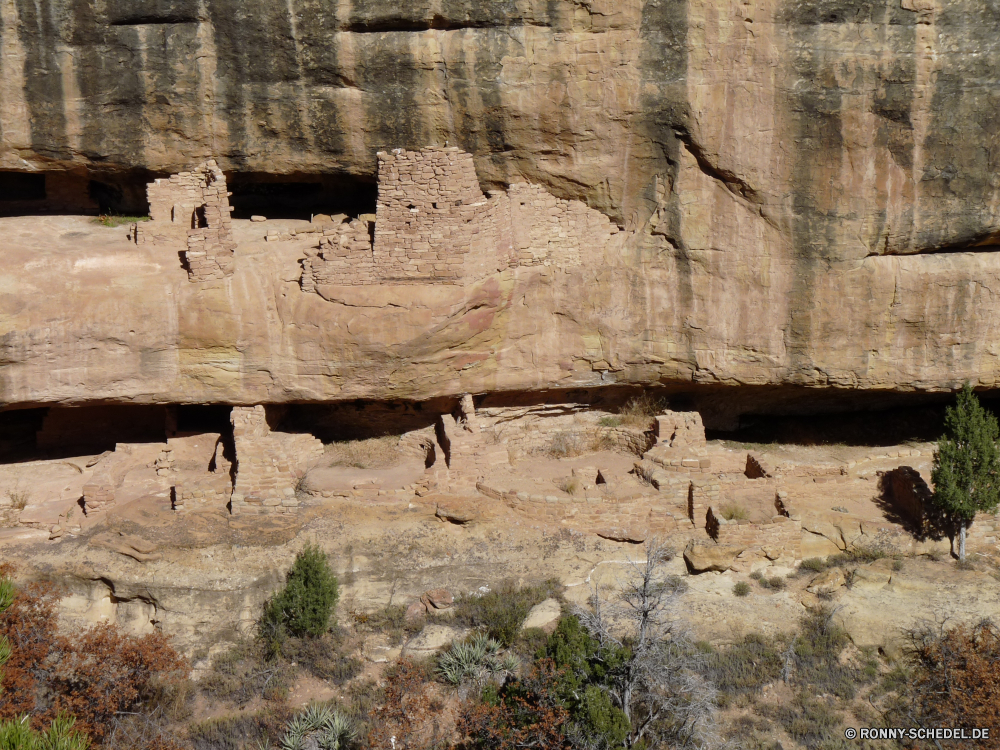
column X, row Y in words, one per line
column 198, row 221
column 300, row 196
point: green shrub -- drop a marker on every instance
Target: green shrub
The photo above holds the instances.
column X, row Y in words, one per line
column 757, row 575
column 817, row 651
column 18, row 735
column 502, row 611
column 741, row 588
column 305, row 606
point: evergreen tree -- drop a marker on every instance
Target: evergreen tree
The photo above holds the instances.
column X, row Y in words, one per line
column 966, row 471
column 306, row 604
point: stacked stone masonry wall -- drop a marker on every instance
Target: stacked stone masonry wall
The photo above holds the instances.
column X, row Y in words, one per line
column 268, row 465
column 191, row 210
column 210, row 492
column 434, row 224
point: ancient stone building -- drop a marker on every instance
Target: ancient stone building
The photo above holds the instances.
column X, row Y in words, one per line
column 435, row 225
column 191, row 210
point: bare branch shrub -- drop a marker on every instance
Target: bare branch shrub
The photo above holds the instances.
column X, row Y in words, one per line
column 656, row 677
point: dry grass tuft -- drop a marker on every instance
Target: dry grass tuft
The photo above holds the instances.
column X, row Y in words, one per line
column 374, row 453
column 569, row 485
column 734, row 512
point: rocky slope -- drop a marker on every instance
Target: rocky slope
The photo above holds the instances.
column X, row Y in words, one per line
column 808, row 190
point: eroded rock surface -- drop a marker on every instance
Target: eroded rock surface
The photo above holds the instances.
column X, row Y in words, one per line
column 805, row 188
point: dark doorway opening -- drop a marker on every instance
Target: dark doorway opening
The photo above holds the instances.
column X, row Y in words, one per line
column 300, row 196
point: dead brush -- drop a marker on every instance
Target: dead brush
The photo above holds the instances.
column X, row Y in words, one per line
column 639, row 410
column 19, row 496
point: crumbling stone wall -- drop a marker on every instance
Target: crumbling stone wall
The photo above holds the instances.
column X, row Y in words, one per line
column 191, row 210
column 268, row 465
column 680, row 429
column 344, row 258
column 433, row 224
column 548, row 230
column 109, row 473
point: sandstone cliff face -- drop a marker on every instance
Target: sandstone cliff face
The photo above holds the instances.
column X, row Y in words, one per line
column 795, row 179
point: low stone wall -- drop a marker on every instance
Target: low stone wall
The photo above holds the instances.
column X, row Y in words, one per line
column 594, row 513
column 210, row 492
column 685, row 461
column 782, row 537
column 755, row 469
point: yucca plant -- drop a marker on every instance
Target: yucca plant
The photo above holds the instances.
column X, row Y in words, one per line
column 331, row 729
column 475, row 659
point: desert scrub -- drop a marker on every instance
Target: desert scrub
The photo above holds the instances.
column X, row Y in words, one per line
column 390, row 621
column 734, row 512
column 745, row 667
column 325, row 657
column 114, row 220
column 499, row 613
column 373, row 453
column 246, row 672
column 741, row 589
column 245, row 731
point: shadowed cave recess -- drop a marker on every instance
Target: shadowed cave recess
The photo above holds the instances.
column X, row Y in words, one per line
column 780, row 415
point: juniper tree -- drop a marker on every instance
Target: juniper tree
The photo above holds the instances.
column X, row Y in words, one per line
column 966, row 472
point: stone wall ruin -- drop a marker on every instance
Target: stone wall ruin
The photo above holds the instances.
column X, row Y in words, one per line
column 434, row 225
column 191, row 210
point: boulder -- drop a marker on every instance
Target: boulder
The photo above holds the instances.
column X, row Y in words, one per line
column 431, row 640
column 872, row 577
column 458, row 512
column 827, row 582
column 815, row 545
column 437, row 599
column 701, row 558
column 544, row 616
column 416, row 611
